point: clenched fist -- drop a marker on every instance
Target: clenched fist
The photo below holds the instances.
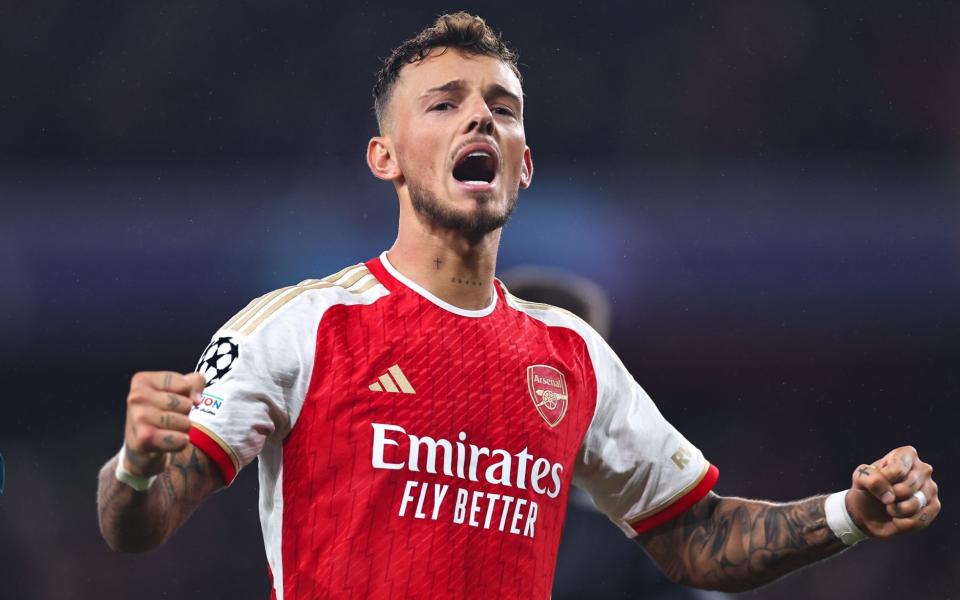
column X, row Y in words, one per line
column 157, row 422
column 882, row 500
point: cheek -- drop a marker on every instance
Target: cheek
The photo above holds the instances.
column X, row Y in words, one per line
column 418, row 157
column 515, row 145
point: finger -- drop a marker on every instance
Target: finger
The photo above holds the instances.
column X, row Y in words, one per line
column 922, row 519
column 897, row 463
column 916, row 477
column 162, row 380
column 868, row 477
column 172, row 441
column 911, row 507
column 169, row 421
column 148, row 439
column 159, row 399
column 197, row 382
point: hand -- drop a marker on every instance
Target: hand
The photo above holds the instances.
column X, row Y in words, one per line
column 881, row 500
column 157, row 421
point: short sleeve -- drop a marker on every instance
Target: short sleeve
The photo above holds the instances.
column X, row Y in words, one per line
column 639, row 470
column 253, row 378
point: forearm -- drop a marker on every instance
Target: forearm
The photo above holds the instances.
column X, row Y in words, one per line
column 132, row 521
column 733, row 544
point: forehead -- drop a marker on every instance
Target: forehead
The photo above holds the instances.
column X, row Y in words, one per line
column 443, row 65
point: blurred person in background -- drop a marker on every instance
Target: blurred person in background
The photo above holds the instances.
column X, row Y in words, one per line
column 418, row 427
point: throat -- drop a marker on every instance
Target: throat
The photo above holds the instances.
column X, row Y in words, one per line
column 447, row 277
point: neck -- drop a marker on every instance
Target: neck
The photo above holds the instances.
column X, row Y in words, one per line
column 447, row 264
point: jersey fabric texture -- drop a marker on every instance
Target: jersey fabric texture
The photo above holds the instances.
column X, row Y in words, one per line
column 411, row 449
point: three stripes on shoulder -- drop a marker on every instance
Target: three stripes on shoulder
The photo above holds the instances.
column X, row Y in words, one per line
column 356, row 279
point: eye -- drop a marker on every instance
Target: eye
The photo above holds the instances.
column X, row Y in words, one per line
column 442, row 106
column 503, row 110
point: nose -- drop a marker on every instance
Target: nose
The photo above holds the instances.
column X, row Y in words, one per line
column 480, row 118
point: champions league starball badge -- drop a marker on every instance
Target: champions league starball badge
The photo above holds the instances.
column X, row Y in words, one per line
column 218, row 358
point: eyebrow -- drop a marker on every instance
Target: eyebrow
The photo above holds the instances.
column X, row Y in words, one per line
column 457, row 85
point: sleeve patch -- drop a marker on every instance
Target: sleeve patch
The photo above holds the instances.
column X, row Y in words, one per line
column 218, row 358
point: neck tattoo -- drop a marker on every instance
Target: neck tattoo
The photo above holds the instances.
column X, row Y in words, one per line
column 462, row 281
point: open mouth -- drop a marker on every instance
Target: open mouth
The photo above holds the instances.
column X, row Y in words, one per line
column 476, row 165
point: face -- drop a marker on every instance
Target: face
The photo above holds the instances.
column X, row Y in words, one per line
column 454, row 141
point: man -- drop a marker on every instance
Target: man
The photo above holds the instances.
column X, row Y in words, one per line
column 418, row 428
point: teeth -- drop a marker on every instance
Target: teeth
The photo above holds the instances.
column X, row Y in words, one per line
column 479, row 153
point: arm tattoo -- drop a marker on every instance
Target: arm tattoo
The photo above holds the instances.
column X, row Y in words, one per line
column 136, row 521
column 734, row 544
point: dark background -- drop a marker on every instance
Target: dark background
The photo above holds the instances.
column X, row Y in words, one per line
column 768, row 190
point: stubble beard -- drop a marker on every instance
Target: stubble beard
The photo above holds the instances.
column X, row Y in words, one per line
column 473, row 224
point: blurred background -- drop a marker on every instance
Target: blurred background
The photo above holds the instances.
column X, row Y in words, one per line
column 768, row 192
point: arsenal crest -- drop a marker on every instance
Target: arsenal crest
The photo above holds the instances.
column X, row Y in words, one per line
column 548, row 389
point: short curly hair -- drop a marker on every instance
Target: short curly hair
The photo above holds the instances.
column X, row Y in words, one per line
column 460, row 30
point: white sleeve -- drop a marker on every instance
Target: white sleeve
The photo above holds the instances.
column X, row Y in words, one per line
column 639, row 470
column 255, row 375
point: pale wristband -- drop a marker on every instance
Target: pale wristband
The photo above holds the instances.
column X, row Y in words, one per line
column 840, row 521
column 124, row 476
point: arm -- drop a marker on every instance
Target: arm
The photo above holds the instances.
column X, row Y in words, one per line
column 132, row 521
column 156, row 444
column 733, row 544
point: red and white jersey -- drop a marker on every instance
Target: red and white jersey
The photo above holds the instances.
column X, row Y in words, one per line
column 412, row 449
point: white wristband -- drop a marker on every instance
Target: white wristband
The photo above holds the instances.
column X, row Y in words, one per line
column 840, row 521
column 124, row 476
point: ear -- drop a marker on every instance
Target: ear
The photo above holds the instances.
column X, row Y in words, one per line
column 526, row 171
column 381, row 160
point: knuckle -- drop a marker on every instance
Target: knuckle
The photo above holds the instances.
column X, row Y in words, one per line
column 142, row 379
column 140, row 415
column 144, row 436
column 895, row 471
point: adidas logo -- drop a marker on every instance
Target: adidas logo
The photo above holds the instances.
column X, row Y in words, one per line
column 385, row 383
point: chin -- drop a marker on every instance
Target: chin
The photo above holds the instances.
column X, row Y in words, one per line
column 473, row 212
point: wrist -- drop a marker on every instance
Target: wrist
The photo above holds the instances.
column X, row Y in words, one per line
column 840, row 521
column 137, row 481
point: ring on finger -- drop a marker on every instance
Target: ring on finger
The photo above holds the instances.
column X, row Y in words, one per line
column 921, row 498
